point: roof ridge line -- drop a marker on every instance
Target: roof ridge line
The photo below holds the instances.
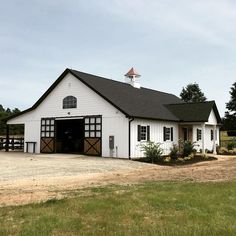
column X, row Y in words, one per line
column 184, row 103
column 117, row 81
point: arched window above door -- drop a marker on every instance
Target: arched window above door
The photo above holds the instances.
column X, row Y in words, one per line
column 69, row 102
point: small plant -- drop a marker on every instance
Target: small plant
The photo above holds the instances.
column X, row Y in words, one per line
column 204, row 156
column 187, row 148
column 152, row 151
column 174, row 152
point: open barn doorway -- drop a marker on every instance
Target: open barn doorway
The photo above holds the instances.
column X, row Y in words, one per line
column 70, row 136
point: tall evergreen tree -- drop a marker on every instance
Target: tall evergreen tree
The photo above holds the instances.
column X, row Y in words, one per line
column 192, row 93
column 14, row 129
column 230, row 114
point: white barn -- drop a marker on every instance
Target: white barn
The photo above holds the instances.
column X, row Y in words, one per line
column 84, row 113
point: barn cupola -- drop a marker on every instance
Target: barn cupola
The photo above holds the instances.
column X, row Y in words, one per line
column 131, row 77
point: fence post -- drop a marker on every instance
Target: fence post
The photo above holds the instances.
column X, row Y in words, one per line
column 7, row 139
column 12, row 143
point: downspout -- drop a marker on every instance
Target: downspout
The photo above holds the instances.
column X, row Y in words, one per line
column 130, row 120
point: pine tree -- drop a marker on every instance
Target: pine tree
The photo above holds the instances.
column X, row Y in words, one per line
column 230, row 114
column 192, row 93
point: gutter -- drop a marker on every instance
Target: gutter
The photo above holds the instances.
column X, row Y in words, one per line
column 130, row 120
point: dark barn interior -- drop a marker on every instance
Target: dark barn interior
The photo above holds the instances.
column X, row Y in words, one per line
column 70, row 136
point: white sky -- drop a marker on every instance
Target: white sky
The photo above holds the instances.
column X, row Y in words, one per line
column 170, row 43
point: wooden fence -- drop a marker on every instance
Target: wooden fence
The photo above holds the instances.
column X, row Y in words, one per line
column 14, row 143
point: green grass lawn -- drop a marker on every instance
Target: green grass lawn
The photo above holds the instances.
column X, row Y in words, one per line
column 160, row 208
column 225, row 139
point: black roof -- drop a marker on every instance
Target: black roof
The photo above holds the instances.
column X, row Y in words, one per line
column 134, row 102
column 138, row 103
column 192, row 112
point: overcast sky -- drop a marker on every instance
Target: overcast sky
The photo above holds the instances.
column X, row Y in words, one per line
column 170, row 43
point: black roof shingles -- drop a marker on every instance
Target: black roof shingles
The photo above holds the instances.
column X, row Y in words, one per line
column 134, row 102
column 194, row 112
column 139, row 103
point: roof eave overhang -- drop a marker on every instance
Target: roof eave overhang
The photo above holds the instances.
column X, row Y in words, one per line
column 150, row 118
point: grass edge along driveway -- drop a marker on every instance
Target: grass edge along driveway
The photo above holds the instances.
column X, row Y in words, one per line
column 151, row 208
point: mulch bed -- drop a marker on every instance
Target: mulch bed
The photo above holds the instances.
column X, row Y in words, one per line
column 196, row 159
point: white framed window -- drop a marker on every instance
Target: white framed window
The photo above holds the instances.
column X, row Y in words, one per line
column 168, row 133
column 143, row 132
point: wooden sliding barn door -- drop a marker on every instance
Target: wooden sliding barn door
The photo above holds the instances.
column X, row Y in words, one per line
column 93, row 135
column 47, row 142
column 92, row 146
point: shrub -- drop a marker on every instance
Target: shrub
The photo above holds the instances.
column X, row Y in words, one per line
column 174, row 152
column 223, row 150
column 152, row 151
column 231, row 145
column 187, row 148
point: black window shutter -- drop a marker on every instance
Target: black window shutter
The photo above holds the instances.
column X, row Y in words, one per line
column 212, row 134
column 164, row 133
column 198, row 134
column 148, row 133
column 171, row 133
column 139, row 132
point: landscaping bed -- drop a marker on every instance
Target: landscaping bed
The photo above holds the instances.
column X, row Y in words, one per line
column 179, row 161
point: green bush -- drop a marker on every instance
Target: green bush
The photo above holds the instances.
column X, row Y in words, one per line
column 187, row 148
column 231, row 145
column 174, row 152
column 152, row 151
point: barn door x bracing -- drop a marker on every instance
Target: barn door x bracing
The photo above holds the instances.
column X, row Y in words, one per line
column 92, row 135
column 47, row 143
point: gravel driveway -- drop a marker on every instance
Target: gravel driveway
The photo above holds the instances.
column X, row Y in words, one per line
column 19, row 166
column 27, row 178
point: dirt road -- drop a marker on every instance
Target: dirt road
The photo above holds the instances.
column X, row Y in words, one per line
column 26, row 178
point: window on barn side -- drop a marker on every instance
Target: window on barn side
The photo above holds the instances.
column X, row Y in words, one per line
column 92, row 127
column 69, row 102
column 168, row 133
column 199, row 134
column 143, row 133
column 47, row 127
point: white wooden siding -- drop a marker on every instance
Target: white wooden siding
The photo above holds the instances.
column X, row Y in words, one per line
column 88, row 103
column 156, row 135
column 212, row 118
column 208, row 141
